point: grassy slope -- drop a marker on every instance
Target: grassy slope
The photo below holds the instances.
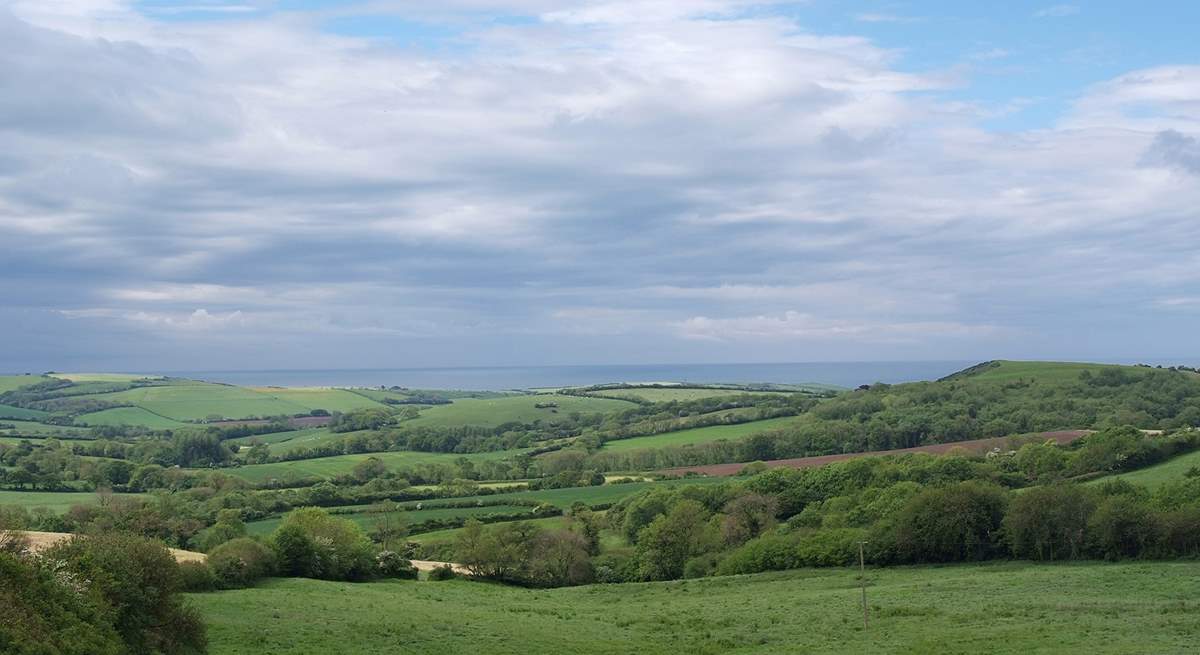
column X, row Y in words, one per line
column 332, row 466
column 20, row 413
column 699, row 435
column 101, row 377
column 993, row 608
column 333, row 400
column 367, row 521
column 57, row 502
column 521, row 409
column 10, row 382
column 129, row 416
column 29, row 427
column 1049, row 372
column 193, row 401
column 1159, row 474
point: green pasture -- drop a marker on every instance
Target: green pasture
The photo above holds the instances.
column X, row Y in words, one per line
column 1000, row 608
column 11, row 382
column 699, row 435
column 1159, row 474
column 1045, row 372
column 198, row 400
column 366, row 520
column 291, row 439
column 55, row 501
column 130, row 416
column 333, row 400
column 20, row 413
column 40, row 429
column 520, row 409
column 105, row 377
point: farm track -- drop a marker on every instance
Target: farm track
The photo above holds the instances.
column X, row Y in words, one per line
column 1061, row 437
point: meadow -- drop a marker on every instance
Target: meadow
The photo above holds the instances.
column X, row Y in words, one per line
column 491, row 412
column 995, row 608
column 199, row 400
column 129, row 416
column 41, row 429
column 366, row 520
column 1044, row 372
column 699, row 435
column 21, row 413
column 1159, row 474
column 331, row 400
column 55, row 501
column 10, row 382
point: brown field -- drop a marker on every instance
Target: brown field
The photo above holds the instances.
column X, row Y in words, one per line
column 973, row 446
column 43, row 540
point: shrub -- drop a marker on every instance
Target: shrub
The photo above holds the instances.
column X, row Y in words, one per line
column 40, row 614
column 1121, row 527
column 312, row 543
column 1047, row 523
column 196, row 577
column 241, row 562
column 443, row 572
column 949, row 524
column 390, row 564
column 139, row 582
column 768, row 553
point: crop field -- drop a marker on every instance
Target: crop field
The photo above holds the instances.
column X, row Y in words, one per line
column 699, row 435
column 664, row 394
column 129, row 416
column 327, row 467
column 196, row 401
column 55, row 501
column 333, row 400
column 1144, row 607
column 10, row 382
column 20, row 413
column 521, row 409
column 1159, row 474
column 367, row 520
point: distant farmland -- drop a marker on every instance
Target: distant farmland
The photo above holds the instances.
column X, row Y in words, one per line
column 699, row 435
column 491, row 412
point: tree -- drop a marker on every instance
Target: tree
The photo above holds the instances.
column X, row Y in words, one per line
column 390, row 523
column 950, row 524
column 1122, row 526
column 369, row 469
column 139, row 582
column 241, row 562
column 38, row 613
column 559, row 558
column 1048, row 523
column 339, row 549
column 746, row 517
column 664, row 546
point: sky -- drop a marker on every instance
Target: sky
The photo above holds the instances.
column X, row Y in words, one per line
column 250, row 184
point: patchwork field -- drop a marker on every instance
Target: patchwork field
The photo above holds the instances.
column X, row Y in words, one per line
column 10, row 382
column 20, row 413
column 367, row 521
column 332, row 400
column 699, row 435
column 1146, row 607
column 40, row 429
column 520, row 409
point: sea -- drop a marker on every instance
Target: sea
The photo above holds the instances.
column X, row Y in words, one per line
column 498, row 378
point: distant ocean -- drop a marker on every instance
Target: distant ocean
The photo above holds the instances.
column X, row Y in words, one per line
column 843, row 374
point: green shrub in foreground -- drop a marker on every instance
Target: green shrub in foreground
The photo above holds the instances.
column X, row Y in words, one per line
column 241, row 562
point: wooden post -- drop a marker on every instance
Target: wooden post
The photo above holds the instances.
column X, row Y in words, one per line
column 862, row 577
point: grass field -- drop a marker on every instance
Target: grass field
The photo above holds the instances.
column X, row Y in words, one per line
column 521, row 409
column 699, row 435
column 327, row 467
column 551, row 523
column 1144, row 607
column 664, row 394
column 281, row 442
column 333, row 400
column 1159, row 474
column 10, row 382
column 40, row 429
column 57, row 502
column 104, row 377
column 1045, row 372
column 195, row 401
column 130, row 416
column 20, row 413
column 12, row 441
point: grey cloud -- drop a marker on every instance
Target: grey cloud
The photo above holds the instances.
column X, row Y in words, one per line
column 1173, row 149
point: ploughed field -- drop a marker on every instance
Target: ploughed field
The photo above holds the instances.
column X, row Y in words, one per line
column 988, row 608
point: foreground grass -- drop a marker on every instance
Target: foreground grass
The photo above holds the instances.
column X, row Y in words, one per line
column 992, row 608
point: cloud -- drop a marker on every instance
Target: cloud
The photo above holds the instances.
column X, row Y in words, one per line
column 642, row 180
column 1174, row 150
column 1057, row 11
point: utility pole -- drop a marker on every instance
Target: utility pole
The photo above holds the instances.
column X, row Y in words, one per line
column 862, row 577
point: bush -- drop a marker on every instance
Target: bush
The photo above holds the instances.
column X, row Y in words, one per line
column 390, row 564
column 443, row 572
column 40, row 614
column 768, row 553
column 311, row 543
column 241, row 562
column 197, row 577
column 957, row 523
column 1122, row 527
column 1046, row 523
column 139, row 582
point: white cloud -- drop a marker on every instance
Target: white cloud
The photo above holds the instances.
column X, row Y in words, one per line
column 798, row 325
column 1057, row 11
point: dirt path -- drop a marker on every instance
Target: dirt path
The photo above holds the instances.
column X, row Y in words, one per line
column 974, row 446
column 42, row 540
